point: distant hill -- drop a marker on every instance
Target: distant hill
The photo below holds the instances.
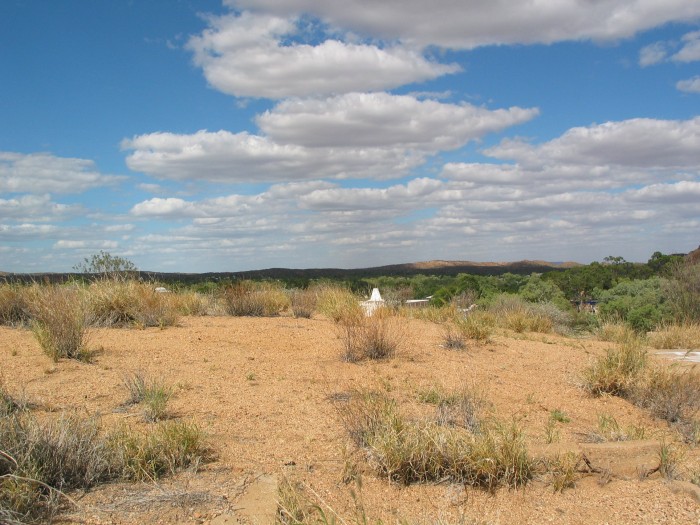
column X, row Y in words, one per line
column 407, row 269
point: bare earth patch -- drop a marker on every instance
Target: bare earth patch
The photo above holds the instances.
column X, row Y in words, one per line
column 264, row 390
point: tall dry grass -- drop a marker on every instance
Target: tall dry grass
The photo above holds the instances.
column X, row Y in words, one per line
column 379, row 336
column 15, row 304
column 132, row 303
column 255, row 299
column 60, row 322
column 676, row 336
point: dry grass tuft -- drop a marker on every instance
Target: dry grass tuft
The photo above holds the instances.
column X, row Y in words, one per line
column 618, row 371
column 337, row 303
column 254, row 299
column 477, row 326
column 60, row 321
column 378, row 336
column 671, row 393
column 303, row 303
column 15, row 304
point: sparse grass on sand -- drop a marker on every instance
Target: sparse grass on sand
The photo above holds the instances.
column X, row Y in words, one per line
column 420, row 451
column 151, row 393
column 40, row 459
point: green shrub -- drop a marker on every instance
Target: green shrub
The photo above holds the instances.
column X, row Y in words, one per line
column 682, row 292
column 639, row 303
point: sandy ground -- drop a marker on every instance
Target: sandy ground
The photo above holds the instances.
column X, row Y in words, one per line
column 263, row 389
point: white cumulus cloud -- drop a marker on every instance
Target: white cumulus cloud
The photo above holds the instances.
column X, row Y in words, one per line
column 247, row 56
column 691, row 85
column 366, row 120
column 43, row 172
column 466, row 24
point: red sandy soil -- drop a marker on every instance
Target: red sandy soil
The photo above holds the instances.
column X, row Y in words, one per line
column 262, row 389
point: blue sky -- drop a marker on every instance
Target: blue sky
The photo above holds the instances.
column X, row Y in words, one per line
column 221, row 136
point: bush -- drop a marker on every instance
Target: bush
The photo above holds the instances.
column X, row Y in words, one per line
column 40, row 459
column 60, row 322
column 639, row 303
column 371, row 337
column 169, row 447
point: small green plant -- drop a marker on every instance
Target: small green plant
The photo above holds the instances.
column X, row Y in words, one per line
column 561, row 470
column 559, row 416
column 152, row 394
column 60, row 323
column 610, row 430
column 551, row 431
column 670, row 458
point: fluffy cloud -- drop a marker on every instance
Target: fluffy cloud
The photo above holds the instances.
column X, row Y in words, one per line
column 687, row 50
column 36, row 208
column 690, row 50
column 43, row 172
column 366, row 120
column 247, row 56
column 469, row 24
column 357, row 135
column 241, row 157
column 691, row 85
column 634, row 143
